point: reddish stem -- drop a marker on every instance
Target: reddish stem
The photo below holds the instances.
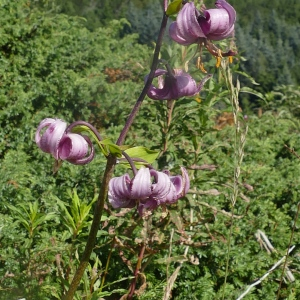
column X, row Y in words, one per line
column 136, row 272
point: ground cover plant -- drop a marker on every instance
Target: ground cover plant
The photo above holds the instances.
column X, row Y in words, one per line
column 135, row 173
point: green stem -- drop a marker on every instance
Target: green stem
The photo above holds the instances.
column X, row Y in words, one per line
column 94, row 229
column 107, row 265
column 111, row 161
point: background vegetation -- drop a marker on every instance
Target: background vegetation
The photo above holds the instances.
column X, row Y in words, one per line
column 57, row 65
column 267, row 33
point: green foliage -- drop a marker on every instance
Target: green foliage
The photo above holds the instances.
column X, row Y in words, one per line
column 55, row 66
column 75, row 219
column 144, row 20
column 267, row 34
column 52, row 66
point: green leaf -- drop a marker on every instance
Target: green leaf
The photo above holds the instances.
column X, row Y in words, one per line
column 112, row 147
column 248, row 90
column 252, row 80
column 174, row 7
column 141, row 153
column 168, row 260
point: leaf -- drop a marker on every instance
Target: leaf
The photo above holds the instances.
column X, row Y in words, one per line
column 175, row 218
column 248, row 90
column 113, row 148
column 174, row 7
column 248, row 76
column 168, row 260
column 141, row 153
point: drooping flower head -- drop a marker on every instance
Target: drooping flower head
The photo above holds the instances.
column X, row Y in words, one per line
column 218, row 23
column 174, row 84
column 214, row 24
column 192, row 26
column 63, row 145
column 147, row 189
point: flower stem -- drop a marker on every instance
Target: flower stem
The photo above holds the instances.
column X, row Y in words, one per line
column 78, row 123
column 136, row 271
column 110, row 165
column 148, row 82
column 94, row 229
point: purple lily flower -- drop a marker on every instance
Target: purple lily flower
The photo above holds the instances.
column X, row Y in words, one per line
column 174, row 86
column 148, row 189
column 63, row 145
column 214, row 24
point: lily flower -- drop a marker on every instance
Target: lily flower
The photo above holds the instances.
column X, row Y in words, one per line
column 147, row 189
column 61, row 144
column 174, row 85
column 214, row 24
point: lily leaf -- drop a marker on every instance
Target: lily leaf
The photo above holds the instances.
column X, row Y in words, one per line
column 113, row 148
column 173, row 7
column 143, row 153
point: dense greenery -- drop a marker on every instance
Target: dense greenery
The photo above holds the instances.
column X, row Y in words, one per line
column 267, row 33
column 54, row 66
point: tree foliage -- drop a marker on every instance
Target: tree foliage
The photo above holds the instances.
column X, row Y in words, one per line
column 54, row 66
column 267, row 33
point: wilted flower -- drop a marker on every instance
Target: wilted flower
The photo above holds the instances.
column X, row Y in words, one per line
column 63, row 145
column 193, row 27
column 176, row 84
column 148, row 189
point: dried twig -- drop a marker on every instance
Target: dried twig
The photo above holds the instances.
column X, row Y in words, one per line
column 222, row 211
column 265, row 276
column 292, row 151
column 265, row 242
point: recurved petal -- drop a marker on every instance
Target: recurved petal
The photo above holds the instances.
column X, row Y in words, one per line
column 165, row 88
column 177, row 182
column 161, row 184
column 86, row 159
column 120, row 202
column 141, row 184
column 44, row 123
column 119, row 192
column 178, row 38
column 218, row 24
column 186, row 30
column 230, row 10
column 186, row 85
column 147, row 204
column 74, row 148
column 181, row 183
column 51, row 138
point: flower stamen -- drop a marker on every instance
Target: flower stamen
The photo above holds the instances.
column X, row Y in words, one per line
column 200, row 65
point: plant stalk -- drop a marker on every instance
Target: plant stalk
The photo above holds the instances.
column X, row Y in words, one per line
column 148, row 82
column 94, row 229
column 136, row 271
column 110, row 165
